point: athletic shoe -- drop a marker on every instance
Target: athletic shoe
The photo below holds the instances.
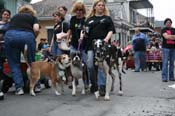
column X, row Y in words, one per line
column 19, row 91
column 1, row 96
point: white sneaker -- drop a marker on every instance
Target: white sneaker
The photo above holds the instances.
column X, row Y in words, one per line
column 97, row 95
column 172, row 86
column 1, row 95
column 19, row 91
column 37, row 89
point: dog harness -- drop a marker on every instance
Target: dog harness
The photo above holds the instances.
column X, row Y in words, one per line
column 61, row 72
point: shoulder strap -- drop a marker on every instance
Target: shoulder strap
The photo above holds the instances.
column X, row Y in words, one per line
column 62, row 27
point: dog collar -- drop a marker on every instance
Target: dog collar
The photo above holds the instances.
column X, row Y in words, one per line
column 60, row 68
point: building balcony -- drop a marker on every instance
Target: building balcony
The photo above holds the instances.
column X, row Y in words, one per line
column 140, row 4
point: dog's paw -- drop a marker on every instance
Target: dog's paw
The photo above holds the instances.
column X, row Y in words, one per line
column 83, row 92
column 107, row 98
column 64, row 78
column 57, row 93
column 97, row 95
column 32, row 94
column 120, row 93
column 73, row 93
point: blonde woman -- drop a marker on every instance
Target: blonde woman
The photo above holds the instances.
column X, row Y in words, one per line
column 99, row 25
column 23, row 29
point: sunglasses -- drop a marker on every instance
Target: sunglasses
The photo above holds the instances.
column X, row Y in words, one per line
column 79, row 9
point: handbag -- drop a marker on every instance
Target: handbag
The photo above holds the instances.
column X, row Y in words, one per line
column 63, row 45
column 62, row 40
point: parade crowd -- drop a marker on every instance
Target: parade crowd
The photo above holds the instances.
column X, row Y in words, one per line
column 77, row 32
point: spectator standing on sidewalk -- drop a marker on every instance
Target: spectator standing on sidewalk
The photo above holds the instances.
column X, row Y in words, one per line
column 139, row 43
column 43, row 48
column 42, row 43
column 168, row 51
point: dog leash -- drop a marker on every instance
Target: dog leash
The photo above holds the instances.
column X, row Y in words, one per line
column 79, row 44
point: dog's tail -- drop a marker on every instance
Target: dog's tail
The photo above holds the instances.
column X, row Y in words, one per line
column 25, row 59
column 25, row 54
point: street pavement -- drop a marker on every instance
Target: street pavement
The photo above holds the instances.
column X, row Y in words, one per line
column 144, row 95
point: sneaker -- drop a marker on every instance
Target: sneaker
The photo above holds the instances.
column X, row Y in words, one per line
column 164, row 80
column 172, row 86
column 19, row 91
column 93, row 89
column 38, row 89
column 135, row 71
column 1, row 96
column 47, row 83
column 172, row 79
column 70, row 87
column 102, row 90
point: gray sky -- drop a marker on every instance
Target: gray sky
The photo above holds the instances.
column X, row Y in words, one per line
column 164, row 9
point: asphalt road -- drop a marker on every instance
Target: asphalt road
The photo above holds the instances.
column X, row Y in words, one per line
column 144, row 95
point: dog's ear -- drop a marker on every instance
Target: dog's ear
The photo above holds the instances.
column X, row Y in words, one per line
column 104, row 43
column 58, row 58
column 94, row 41
column 54, row 58
column 72, row 54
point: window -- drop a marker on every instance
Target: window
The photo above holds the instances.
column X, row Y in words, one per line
column 49, row 34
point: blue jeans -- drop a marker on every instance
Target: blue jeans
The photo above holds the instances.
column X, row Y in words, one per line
column 139, row 60
column 90, row 66
column 56, row 50
column 168, row 55
column 14, row 46
column 101, row 79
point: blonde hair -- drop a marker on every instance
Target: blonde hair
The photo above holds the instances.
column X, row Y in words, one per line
column 92, row 12
column 78, row 5
column 27, row 9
